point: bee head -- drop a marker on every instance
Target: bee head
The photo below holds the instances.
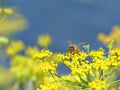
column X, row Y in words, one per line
column 72, row 48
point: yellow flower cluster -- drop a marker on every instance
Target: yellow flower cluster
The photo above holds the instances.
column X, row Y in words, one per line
column 97, row 54
column 44, row 40
column 23, row 69
column 115, row 57
column 31, row 50
column 47, row 66
column 101, row 64
column 98, row 85
column 63, row 57
column 79, row 56
column 115, row 51
column 19, row 67
column 114, row 35
column 42, row 54
column 7, row 11
column 99, row 67
column 90, row 70
column 49, row 84
column 12, row 23
column 15, row 47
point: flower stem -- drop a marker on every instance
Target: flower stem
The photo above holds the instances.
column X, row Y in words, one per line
column 115, row 83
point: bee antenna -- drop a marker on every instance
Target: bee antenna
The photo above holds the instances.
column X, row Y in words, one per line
column 69, row 42
column 79, row 44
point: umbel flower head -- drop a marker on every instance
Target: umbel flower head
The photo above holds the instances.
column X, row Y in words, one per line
column 88, row 74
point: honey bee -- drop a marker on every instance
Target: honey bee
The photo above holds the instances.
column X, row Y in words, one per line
column 73, row 49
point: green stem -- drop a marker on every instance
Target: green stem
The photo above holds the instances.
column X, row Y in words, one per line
column 34, row 85
column 110, row 74
column 85, row 82
column 57, row 75
column 52, row 75
column 71, row 84
column 115, row 83
column 24, row 86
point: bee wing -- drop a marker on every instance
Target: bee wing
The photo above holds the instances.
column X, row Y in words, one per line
column 69, row 42
column 80, row 44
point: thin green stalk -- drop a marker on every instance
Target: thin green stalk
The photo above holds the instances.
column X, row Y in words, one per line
column 52, row 75
column 115, row 83
column 85, row 82
column 34, row 84
column 110, row 74
column 57, row 75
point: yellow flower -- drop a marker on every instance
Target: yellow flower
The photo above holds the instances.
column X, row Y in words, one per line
column 63, row 57
column 48, row 66
column 8, row 11
column 80, row 56
column 49, row 83
column 113, row 35
column 23, row 68
column 42, row 54
column 115, row 51
column 31, row 50
column 15, row 47
column 98, row 85
column 103, row 38
column 97, row 54
column 79, row 68
column 102, row 64
column 38, row 89
column 44, row 40
column 13, row 23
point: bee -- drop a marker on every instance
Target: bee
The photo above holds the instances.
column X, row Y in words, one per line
column 73, row 49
